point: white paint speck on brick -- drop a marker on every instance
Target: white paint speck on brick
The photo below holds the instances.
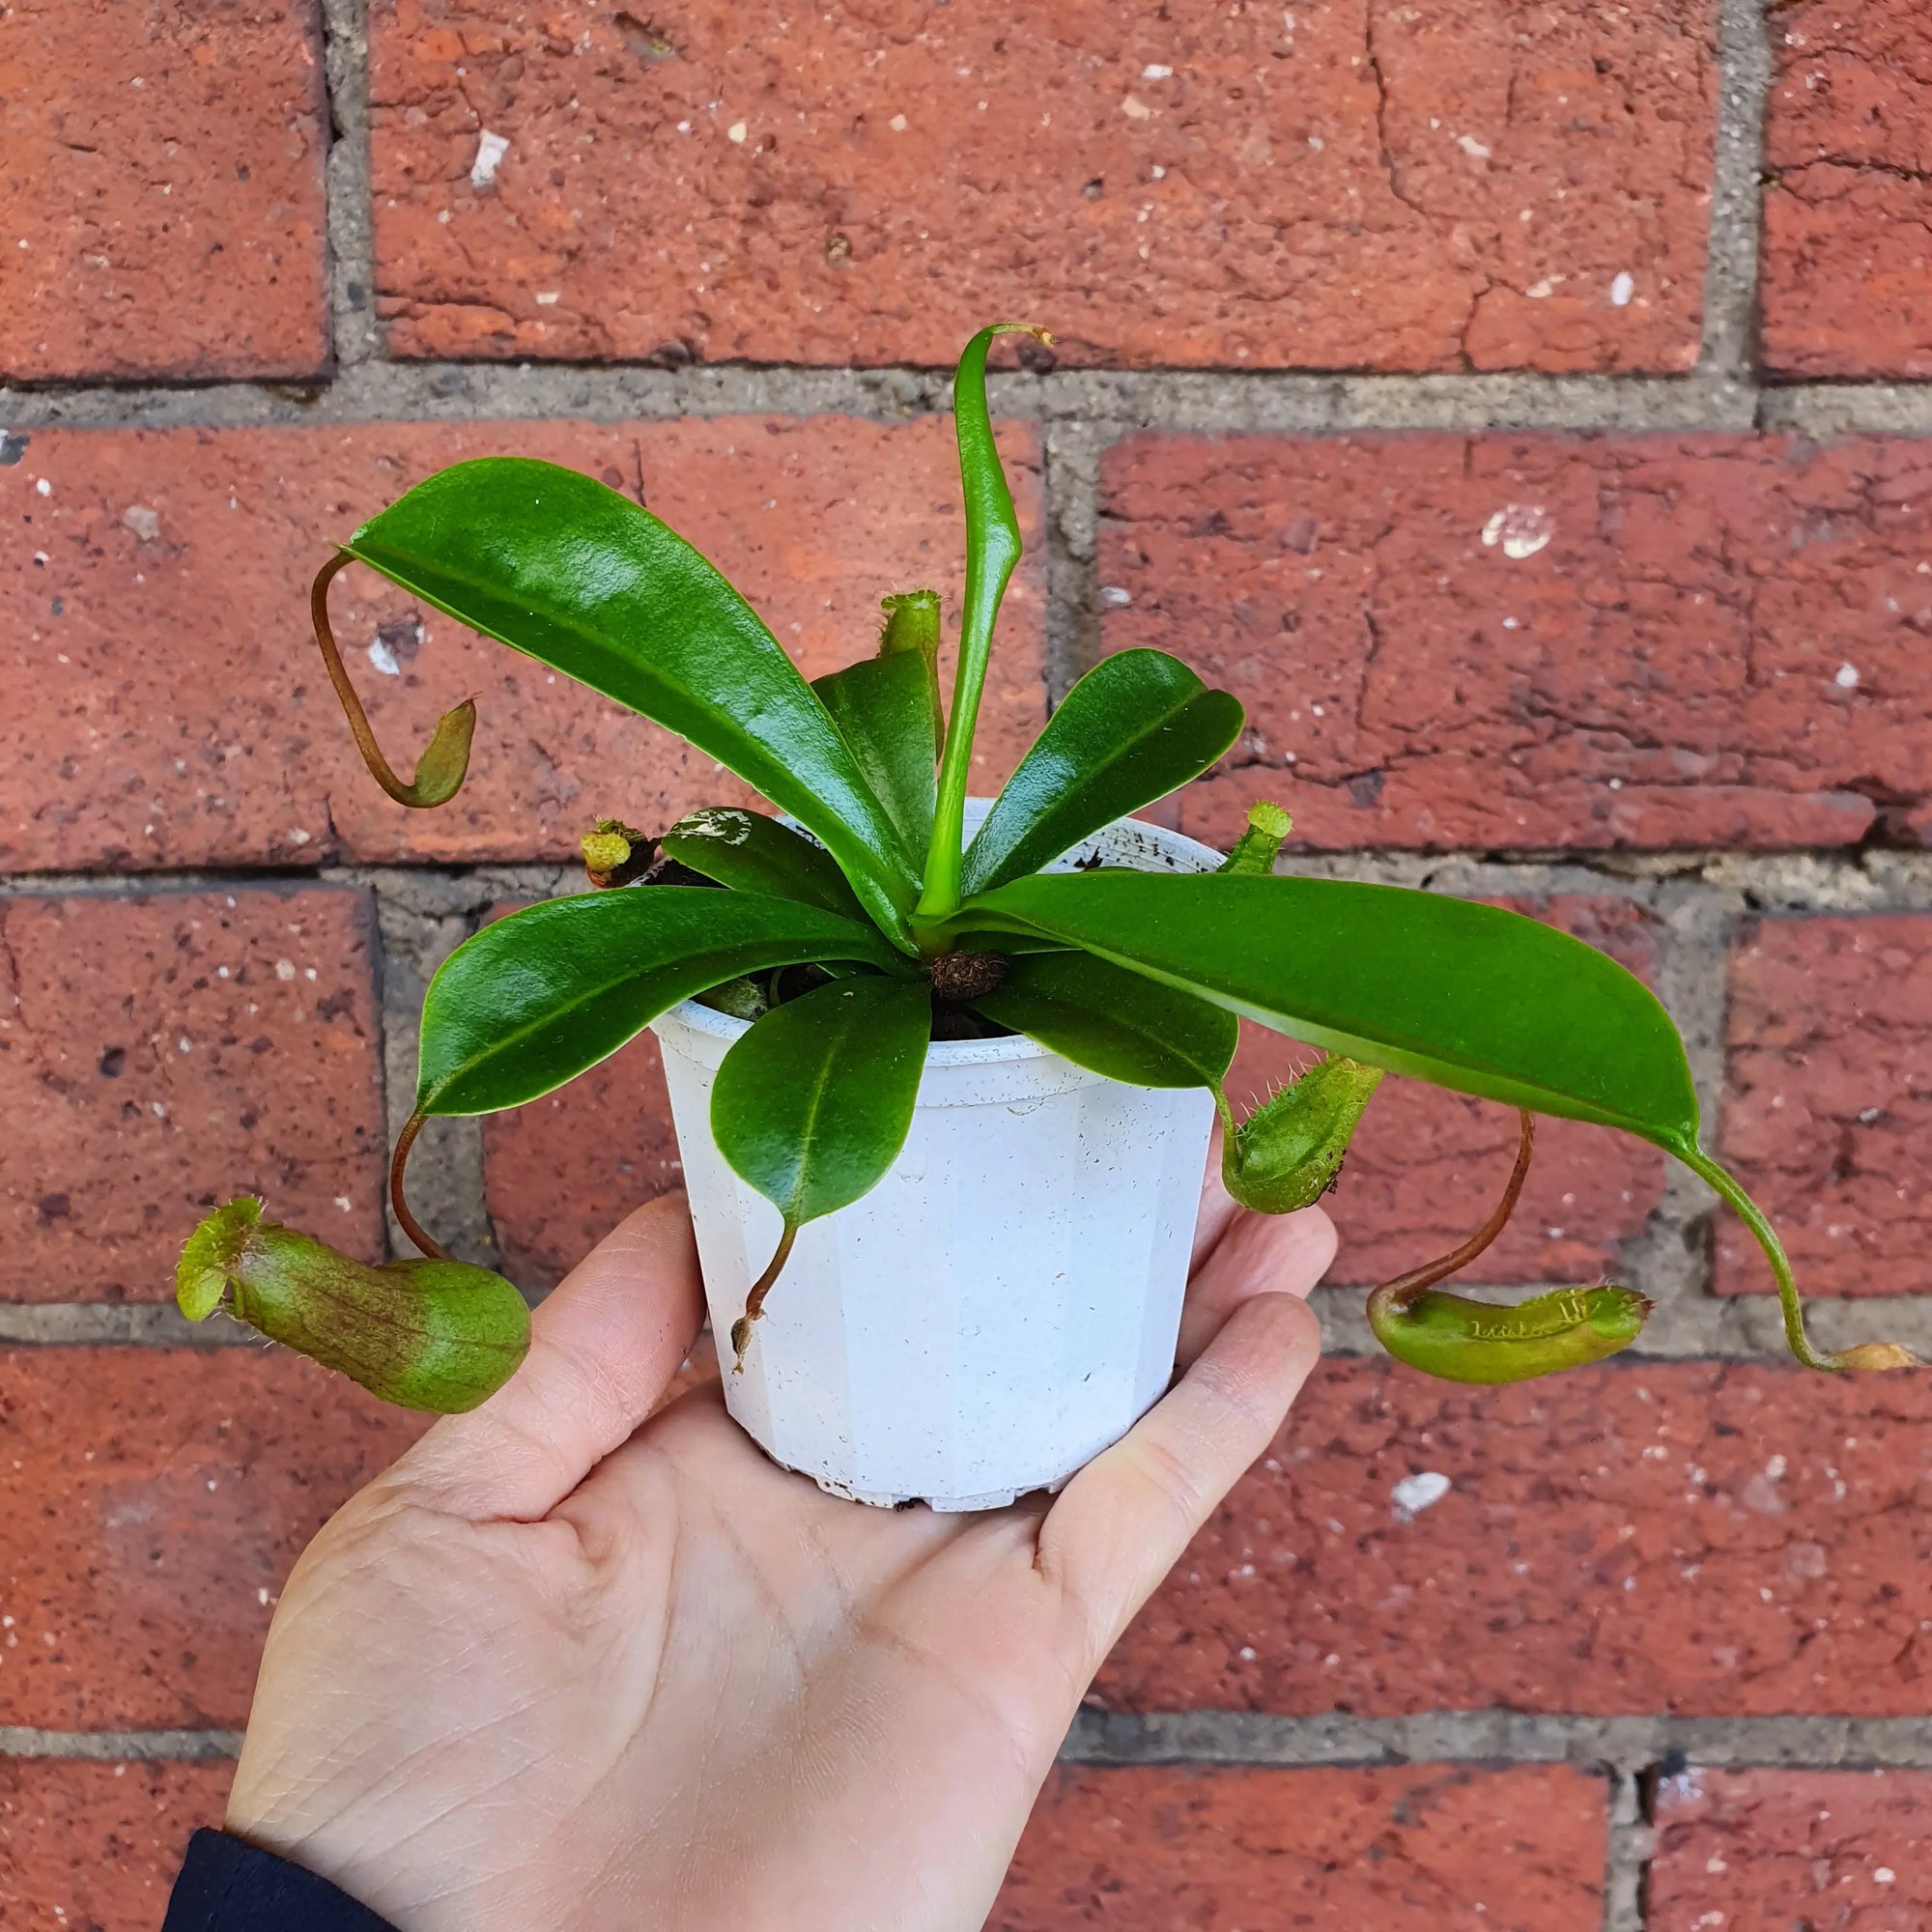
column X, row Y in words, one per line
column 489, row 152
column 1417, row 1493
column 1622, row 289
column 1519, row 530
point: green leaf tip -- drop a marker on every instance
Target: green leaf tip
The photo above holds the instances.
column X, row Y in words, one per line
column 992, row 550
column 438, row 1335
column 445, row 760
column 1289, row 1152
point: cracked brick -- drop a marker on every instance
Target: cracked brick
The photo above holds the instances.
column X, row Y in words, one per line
column 86, row 1845
column 170, row 1051
column 1833, row 1851
column 163, row 198
column 1711, row 1538
column 1403, row 1848
column 1336, row 187
column 157, row 1500
column 174, row 711
column 1534, row 642
column 1847, row 275
column 1828, row 1105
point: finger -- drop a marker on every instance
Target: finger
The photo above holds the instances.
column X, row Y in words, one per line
column 603, row 1347
column 1257, row 1254
column 1217, row 1204
column 1123, row 1523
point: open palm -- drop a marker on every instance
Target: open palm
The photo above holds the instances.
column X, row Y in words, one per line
column 572, row 1663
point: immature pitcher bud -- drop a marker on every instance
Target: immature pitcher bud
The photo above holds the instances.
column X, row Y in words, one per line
column 1255, row 851
column 435, row 1335
column 1287, row 1153
column 614, row 854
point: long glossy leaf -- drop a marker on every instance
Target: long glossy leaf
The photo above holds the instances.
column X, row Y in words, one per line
column 1115, row 1022
column 1468, row 996
column 752, row 853
column 573, row 574
column 992, row 550
column 1132, row 730
column 813, row 1104
column 882, row 706
column 535, row 998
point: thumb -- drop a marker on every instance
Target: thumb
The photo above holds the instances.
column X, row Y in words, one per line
column 1123, row 1523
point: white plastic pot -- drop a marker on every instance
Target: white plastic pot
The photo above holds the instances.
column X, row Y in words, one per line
column 1004, row 1304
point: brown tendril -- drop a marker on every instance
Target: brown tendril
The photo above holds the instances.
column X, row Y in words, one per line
column 755, row 1302
column 1397, row 1296
column 411, row 1226
column 440, row 770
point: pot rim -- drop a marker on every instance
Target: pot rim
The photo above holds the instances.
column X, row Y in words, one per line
column 1190, row 853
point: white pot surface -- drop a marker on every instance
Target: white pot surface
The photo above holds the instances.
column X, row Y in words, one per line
column 1004, row 1303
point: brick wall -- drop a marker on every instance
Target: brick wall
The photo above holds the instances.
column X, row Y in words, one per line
column 1519, row 406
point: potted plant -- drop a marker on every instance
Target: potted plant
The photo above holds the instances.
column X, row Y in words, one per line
column 942, row 1072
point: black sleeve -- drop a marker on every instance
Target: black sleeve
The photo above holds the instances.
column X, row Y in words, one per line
column 227, row 1885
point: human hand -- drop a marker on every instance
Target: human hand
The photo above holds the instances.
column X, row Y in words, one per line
column 565, row 1665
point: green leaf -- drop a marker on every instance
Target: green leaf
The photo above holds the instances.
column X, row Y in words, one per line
column 753, row 853
column 1137, row 725
column 882, row 706
column 535, row 998
column 1468, row 996
column 1122, row 1024
column 577, row 577
column 813, row 1104
column 992, row 550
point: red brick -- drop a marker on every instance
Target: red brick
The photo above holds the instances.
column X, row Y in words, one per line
column 1698, row 1537
column 1201, row 185
column 162, row 199
column 173, row 711
column 87, row 1846
column 159, row 1054
column 156, row 1500
column 1827, row 1113
column 561, row 1173
column 1720, row 641
column 1847, row 278
column 1835, row 1851
column 1427, row 1165
column 1399, row 1848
